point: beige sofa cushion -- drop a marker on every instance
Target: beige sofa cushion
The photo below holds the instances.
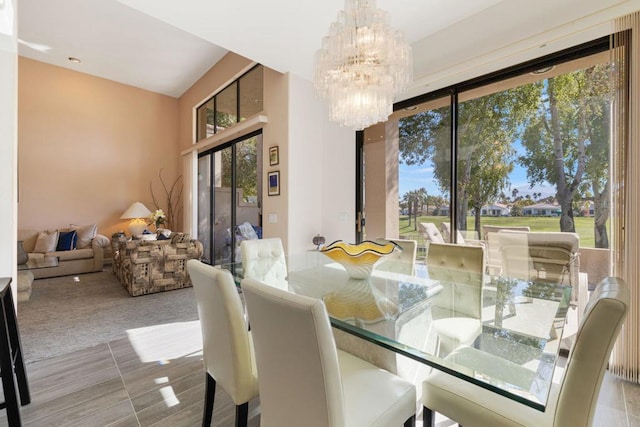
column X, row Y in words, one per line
column 46, row 241
column 75, row 254
column 28, row 238
column 85, row 234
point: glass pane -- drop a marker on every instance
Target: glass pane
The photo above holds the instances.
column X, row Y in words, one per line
column 227, row 107
column 410, row 157
column 205, row 124
column 251, row 94
column 248, row 187
column 204, row 206
column 222, row 206
column 534, row 153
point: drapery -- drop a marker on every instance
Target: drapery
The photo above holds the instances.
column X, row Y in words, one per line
column 625, row 187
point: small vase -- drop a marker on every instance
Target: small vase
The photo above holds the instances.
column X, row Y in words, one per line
column 23, row 257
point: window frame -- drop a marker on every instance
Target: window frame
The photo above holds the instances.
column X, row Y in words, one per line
column 595, row 46
column 214, row 98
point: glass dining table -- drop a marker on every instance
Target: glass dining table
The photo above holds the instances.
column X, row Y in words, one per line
column 519, row 329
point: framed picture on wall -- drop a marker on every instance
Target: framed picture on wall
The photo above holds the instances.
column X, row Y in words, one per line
column 274, row 183
column 274, row 156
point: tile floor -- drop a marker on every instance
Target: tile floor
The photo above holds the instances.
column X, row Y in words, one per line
column 155, row 378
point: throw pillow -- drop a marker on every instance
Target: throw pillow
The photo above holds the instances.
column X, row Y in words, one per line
column 247, row 232
column 85, row 234
column 67, row 241
column 47, row 241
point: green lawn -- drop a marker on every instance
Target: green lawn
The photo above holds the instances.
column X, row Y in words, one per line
column 584, row 225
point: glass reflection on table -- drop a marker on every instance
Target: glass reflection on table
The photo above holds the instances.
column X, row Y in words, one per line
column 521, row 320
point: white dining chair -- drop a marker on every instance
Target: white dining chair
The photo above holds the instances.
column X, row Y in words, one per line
column 571, row 402
column 264, row 260
column 227, row 345
column 494, row 255
column 305, row 380
column 403, row 261
column 457, row 309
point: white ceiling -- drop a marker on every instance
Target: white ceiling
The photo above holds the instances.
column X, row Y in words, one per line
column 165, row 46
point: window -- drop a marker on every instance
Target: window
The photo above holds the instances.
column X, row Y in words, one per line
column 525, row 149
column 530, row 147
column 251, row 85
column 229, row 195
column 239, row 100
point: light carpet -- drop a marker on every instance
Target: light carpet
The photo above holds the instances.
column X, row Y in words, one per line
column 69, row 313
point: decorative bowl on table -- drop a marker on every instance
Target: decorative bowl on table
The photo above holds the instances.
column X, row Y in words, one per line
column 359, row 259
column 360, row 302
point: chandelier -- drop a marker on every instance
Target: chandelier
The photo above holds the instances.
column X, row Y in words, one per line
column 361, row 66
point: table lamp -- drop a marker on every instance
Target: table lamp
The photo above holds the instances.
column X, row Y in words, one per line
column 137, row 213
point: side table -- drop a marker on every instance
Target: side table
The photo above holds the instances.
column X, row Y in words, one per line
column 25, row 276
column 11, row 361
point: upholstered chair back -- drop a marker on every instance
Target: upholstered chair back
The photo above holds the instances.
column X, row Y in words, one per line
column 430, row 232
column 603, row 318
column 445, row 229
column 300, row 380
column 544, row 256
column 227, row 346
column 487, row 229
column 402, row 261
column 571, row 401
column 264, row 260
column 460, row 270
column 494, row 255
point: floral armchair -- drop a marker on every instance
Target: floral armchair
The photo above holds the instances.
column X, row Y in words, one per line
column 149, row 266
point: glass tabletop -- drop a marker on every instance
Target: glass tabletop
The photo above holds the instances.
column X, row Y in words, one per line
column 40, row 262
column 515, row 325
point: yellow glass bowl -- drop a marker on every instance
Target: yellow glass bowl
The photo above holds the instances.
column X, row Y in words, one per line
column 359, row 259
column 360, row 302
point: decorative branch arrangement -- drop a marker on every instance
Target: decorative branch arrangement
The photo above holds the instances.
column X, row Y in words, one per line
column 172, row 197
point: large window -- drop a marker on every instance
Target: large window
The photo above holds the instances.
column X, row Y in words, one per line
column 517, row 163
column 526, row 148
column 241, row 99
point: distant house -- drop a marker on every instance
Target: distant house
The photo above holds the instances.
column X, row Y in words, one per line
column 443, row 211
column 496, row 209
column 542, row 209
column 588, row 209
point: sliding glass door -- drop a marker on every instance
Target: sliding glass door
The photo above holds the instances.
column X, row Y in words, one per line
column 229, row 195
column 517, row 163
column 528, row 147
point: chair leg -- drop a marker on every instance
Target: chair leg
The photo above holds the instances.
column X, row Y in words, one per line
column 428, row 417
column 411, row 422
column 242, row 415
column 209, row 397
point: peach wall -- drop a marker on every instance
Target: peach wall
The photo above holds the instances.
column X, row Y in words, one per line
column 88, row 147
column 275, row 132
column 317, row 158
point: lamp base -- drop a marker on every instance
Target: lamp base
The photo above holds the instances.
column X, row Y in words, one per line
column 137, row 226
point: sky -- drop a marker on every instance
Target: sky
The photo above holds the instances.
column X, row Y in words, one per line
column 417, row 176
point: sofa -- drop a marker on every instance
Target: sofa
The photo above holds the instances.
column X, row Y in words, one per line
column 150, row 266
column 87, row 254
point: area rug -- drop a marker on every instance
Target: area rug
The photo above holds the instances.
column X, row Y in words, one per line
column 65, row 314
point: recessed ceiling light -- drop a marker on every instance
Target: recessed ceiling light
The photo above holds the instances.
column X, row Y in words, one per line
column 74, row 60
column 543, row 70
column 413, row 107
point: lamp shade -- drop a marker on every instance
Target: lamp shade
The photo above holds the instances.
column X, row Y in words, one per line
column 136, row 210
